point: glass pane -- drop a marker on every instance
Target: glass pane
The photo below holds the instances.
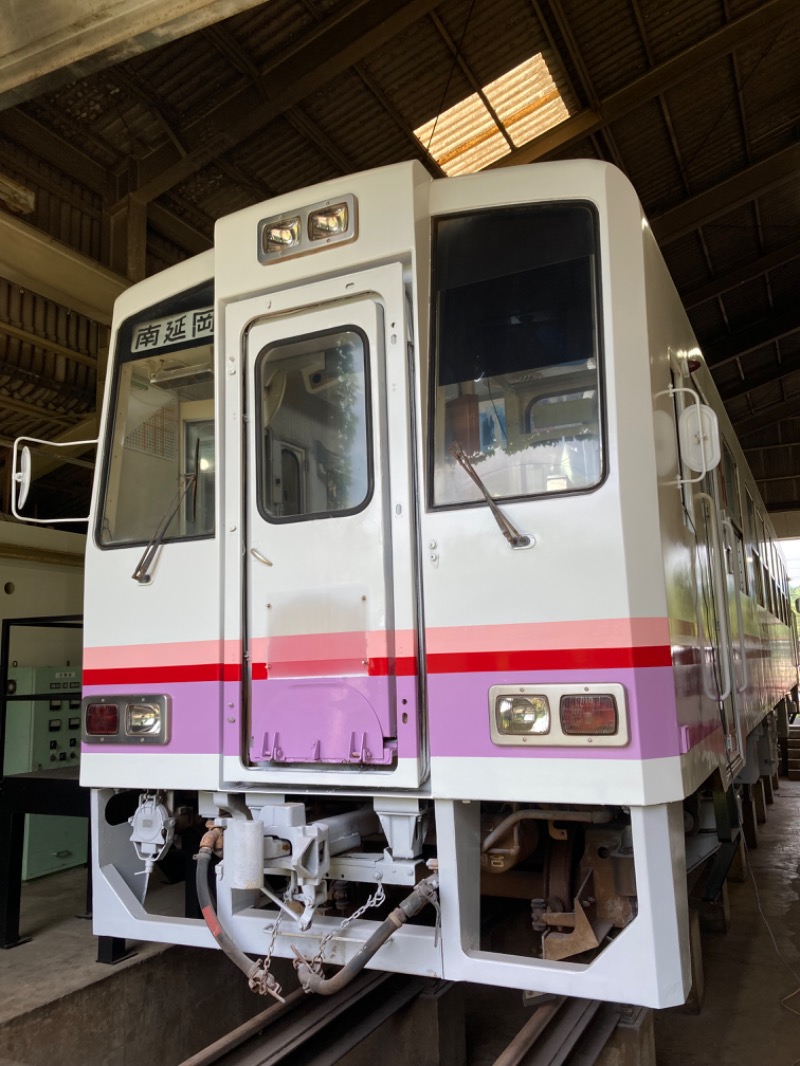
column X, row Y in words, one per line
column 731, row 486
column 517, row 362
column 199, row 500
column 160, row 469
column 315, row 457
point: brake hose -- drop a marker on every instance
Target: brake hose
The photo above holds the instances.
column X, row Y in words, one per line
column 313, row 981
column 259, row 980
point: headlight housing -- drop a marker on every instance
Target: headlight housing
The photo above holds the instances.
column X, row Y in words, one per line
column 127, row 719
column 590, row 715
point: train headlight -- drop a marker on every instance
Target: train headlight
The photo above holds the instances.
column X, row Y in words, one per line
column 522, row 715
column 312, row 228
column 328, row 221
column 281, row 235
column 143, row 719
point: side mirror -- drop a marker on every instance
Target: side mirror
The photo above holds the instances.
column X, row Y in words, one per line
column 21, row 478
column 698, row 432
column 21, row 474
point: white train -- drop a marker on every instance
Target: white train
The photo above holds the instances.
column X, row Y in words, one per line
column 425, row 563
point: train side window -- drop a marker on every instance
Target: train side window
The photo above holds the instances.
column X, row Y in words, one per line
column 517, row 364
column 313, row 424
column 733, row 506
column 761, row 540
column 731, row 484
column 753, row 554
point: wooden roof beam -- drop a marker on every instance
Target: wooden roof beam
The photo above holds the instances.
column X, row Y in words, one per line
column 754, row 379
column 648, row 86
column 727, row 195
column 42, row 264
column 758, row 335
column 767, row 416
column 48, row 43
column 330, row 49
column 740, row 275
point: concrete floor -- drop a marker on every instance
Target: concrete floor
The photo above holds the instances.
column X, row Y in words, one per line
column 60, row 1007
column 750, row 1016
column 61, row 956
column 751, row 1012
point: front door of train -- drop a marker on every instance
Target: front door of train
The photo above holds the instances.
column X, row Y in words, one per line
column 329, row 613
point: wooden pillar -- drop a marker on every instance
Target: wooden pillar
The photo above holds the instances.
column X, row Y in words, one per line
column 127, row 237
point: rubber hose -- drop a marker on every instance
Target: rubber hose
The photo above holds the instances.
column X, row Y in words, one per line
column 238, row 957
column 411, row 905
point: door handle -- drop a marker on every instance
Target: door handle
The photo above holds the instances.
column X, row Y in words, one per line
column 261, row 558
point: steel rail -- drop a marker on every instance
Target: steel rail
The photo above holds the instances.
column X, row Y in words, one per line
column 563, row 1032
column 318, row 1029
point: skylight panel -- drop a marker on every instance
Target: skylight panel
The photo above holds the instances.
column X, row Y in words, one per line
column 466, row 137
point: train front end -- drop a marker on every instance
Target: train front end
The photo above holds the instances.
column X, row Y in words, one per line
column 375, row 595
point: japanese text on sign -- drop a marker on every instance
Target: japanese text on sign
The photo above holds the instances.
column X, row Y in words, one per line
column 173, row 331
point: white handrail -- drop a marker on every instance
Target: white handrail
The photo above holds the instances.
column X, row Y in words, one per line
column 719, row 596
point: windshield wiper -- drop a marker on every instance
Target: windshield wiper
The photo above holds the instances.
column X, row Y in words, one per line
column 509, row 531
column 141, row 573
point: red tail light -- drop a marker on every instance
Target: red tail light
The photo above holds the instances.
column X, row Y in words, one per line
column 594, row 715
column 102, row 719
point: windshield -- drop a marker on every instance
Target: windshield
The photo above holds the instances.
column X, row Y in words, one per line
column 160, row 452
column 516, row 378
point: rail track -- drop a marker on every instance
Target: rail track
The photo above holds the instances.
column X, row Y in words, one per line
column 322, row 1031
column 313, row 1030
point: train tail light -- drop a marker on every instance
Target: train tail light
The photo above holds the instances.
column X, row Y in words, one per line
column 589, row 715
column 102, row 719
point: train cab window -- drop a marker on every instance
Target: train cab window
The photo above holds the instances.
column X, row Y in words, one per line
column 516, row 369
column 159, row 475
column 314, row 459
column 731, row 486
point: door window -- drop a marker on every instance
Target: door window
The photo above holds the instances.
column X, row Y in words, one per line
column 313, row 426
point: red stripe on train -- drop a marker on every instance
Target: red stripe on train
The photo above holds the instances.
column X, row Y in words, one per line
column 137, row 676
column 438, row 663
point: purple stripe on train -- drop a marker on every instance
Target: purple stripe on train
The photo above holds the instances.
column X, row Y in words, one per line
column 459, row 714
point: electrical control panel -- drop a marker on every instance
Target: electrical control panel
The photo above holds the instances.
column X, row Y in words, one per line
column 43, row 731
